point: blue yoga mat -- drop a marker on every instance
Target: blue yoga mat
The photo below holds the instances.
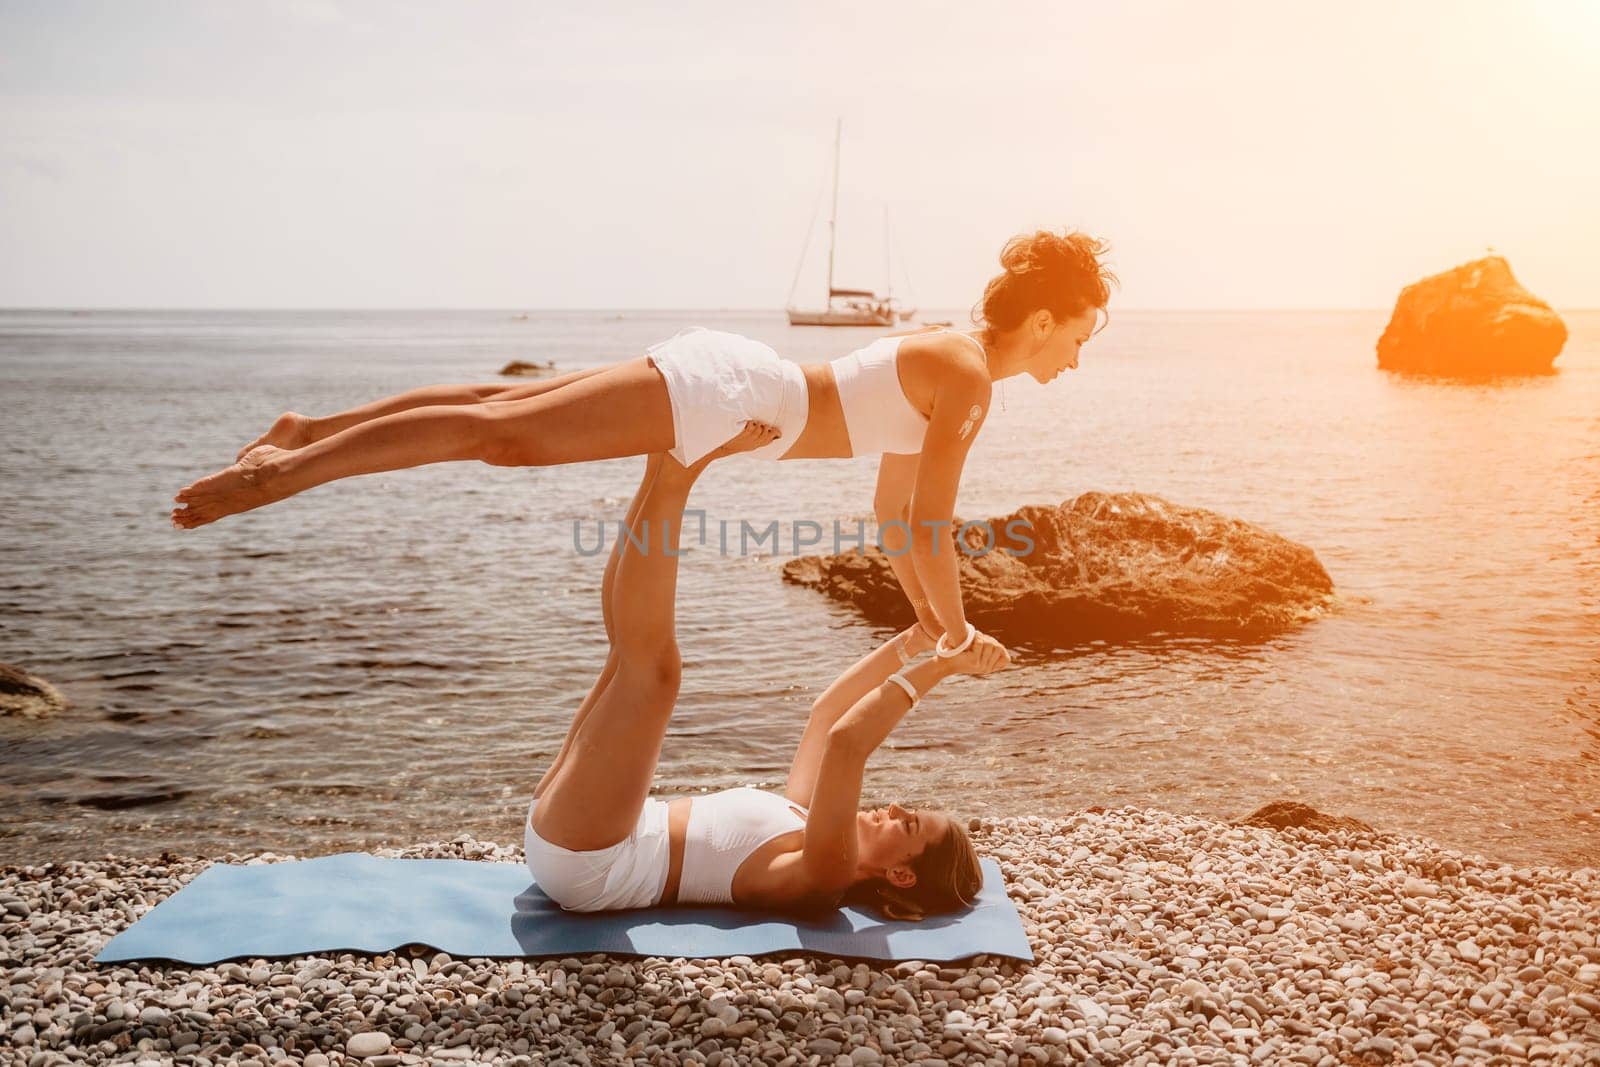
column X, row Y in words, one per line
column 356, row 902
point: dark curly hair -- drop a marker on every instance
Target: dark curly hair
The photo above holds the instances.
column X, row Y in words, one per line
column 1059, row 272
column 948, row 879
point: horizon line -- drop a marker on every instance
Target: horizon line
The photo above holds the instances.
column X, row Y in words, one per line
column 513, row 309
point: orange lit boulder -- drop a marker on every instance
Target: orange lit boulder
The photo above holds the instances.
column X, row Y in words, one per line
column 1472, row 321
column 1102, row 566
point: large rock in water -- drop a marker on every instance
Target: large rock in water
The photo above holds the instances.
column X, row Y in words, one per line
column 23, row 694
column 1289, row 814
column 1103, row 566
column 1475, row 320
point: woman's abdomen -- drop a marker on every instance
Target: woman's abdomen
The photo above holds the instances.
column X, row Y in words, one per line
column 825, row 436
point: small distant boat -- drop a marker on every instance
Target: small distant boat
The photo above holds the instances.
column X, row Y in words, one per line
column 859, row 307
column 847, row 307
column 519, row 318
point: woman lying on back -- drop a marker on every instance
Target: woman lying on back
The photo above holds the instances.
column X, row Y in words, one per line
column 595, row 838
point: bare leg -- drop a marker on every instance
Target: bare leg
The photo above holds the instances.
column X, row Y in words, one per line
column 607, row 615
column 622, row 411
column 292, row 430
column 593, row 799
column 754, row 435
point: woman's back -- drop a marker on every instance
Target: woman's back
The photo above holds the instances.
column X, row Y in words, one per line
column 860, row 403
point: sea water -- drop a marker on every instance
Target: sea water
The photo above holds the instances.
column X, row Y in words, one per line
column 396, row 658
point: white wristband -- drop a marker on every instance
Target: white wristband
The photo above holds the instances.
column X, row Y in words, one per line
column 948, row 653
column 905, row 684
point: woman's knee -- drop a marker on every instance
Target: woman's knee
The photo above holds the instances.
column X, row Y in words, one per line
column 658, row 670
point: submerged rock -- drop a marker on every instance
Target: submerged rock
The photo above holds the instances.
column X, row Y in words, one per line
column 1285, row 814
column 523, row 369
column 1103, row 566
column 1473, row 320
column 23, row 694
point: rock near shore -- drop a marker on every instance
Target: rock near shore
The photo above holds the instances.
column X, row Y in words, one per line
column 1474, row 320
column 1287, row 815
column 521, row 368
column 1102, row 566
column 27, row 696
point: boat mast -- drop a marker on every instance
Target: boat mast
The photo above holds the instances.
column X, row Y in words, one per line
column 833, row 219
column 888, row 276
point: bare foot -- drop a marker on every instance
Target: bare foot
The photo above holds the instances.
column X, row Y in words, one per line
column 231, row 490
column 752, row 436
column 288, row 431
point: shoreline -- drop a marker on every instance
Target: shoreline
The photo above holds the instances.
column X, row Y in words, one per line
column 1160, row 938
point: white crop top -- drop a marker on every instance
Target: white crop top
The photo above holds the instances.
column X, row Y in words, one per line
column 724, row 829
column 877, row 415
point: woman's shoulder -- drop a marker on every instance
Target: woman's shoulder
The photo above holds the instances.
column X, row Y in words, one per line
column 947, row 365
column 944, row 352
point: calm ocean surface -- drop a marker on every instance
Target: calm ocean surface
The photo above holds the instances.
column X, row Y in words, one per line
column 396, row 658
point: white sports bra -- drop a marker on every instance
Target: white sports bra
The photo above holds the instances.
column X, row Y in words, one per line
column 724, row 829
column 877, row 415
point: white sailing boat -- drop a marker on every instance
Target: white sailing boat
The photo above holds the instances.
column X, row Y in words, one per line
column 846, row 307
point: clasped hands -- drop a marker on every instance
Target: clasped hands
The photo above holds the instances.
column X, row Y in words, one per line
column 984, row 655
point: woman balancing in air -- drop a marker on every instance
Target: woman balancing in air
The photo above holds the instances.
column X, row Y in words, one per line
column 918, row 400
column 597, row 841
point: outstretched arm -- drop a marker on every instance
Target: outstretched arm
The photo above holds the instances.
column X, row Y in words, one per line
column 958, row 411
column 862, row 677
column 830, row 843
column 891, row 504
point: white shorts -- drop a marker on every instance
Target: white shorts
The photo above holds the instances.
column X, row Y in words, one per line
column 630, row 874
column 719, row 380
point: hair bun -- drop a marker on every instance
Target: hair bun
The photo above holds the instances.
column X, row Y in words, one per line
column 1043, row 250
column 1045, row 269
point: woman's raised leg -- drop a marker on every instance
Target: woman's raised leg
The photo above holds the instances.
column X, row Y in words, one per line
column 607, row 616
column 753, row 436
column 622, row 411
column 593, row 799
column 293, row 430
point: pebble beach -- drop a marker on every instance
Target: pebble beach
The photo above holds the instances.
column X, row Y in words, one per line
column 1160, row 939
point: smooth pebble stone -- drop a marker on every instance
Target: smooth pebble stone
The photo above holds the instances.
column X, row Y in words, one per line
column 371, row 1043
column 1383, row 1046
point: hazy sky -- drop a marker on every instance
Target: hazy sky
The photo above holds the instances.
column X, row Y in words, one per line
column 1237, row 155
